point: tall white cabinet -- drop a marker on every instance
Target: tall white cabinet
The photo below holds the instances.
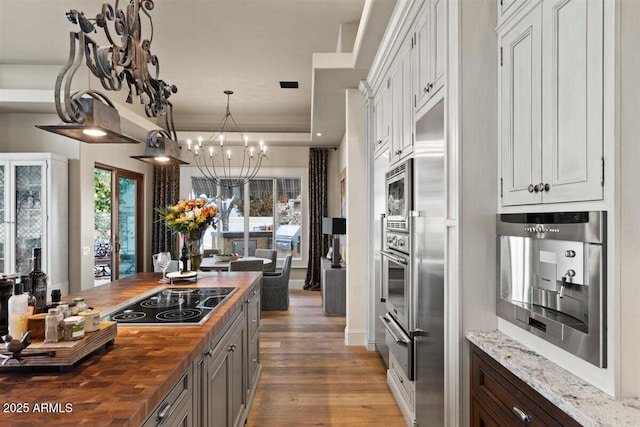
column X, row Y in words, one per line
column 34, row 213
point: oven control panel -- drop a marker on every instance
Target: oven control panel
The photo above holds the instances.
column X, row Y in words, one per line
column 398, row 241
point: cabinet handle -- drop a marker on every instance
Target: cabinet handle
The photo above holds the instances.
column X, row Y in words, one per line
column 530, row 188
column 430, row 86
column 547, row 187
column 232, row 347
column 521, row 415
column 254, row 321
column 210, row 352
column 164, row 411
column 426, row 89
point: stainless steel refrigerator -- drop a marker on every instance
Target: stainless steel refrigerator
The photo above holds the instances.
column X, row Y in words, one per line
column 428, row 239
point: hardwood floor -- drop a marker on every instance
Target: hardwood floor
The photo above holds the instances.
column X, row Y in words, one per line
column 310, row 378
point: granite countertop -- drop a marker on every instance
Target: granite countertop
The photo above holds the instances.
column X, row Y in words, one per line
column 583, row 402
column 122, row 385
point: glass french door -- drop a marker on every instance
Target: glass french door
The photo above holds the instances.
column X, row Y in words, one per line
column 118, row 223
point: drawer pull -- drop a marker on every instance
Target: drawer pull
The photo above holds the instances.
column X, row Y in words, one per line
column 164, row 411
column 522, row 416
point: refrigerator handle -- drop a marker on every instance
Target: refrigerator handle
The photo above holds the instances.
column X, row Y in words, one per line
column 383, row 295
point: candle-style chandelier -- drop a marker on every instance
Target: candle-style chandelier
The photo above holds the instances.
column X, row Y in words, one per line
column 213, row 158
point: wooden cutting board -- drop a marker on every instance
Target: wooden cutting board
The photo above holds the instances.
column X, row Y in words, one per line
column 67, row 353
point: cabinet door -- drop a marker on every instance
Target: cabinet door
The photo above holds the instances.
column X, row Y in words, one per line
column 404, row 145
column 218, row 398
column 381, row 127
column 438, row 44
column 238, row 371
column 572, row 97
column 520, row 78
column 422, row 56
column 29, row 208
column 226, row 378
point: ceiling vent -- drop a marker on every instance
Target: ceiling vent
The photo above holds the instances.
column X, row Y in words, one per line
column 288, row 85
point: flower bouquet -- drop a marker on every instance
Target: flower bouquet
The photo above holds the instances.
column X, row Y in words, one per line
column 191, row 218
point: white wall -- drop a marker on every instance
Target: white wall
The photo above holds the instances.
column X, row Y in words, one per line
column 355, row 148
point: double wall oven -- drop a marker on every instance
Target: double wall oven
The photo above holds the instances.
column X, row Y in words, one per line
column 396, row 267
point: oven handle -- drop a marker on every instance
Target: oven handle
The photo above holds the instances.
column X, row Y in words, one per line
column 394, row 258
column 396, row 333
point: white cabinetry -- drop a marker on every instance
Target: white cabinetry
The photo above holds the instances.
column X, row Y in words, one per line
column 34, row 213
column 550, row 103
column 430, row 51
column 382, row 116
column 401, row 105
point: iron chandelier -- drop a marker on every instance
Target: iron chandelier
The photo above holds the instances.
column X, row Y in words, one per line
column 214, row 162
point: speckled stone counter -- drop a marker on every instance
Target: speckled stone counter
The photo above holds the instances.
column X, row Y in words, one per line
column 585, row 403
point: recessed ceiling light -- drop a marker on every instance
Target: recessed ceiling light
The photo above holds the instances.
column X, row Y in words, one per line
column 288, row 85
column 319, row 134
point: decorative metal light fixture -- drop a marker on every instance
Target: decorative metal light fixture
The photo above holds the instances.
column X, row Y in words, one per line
column 215, row 162
column 88, row 115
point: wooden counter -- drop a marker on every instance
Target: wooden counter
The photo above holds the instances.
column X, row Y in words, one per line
column 124, row 384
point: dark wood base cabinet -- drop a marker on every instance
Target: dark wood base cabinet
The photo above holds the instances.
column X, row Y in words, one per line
column 500, row 399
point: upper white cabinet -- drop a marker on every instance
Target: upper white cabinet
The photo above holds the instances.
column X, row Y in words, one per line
column 429, row 51
column 550, row 103
column 382, row 116
column 401, row 105
column 34, row 213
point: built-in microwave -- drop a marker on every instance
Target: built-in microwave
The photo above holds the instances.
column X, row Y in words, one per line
column 398, row 196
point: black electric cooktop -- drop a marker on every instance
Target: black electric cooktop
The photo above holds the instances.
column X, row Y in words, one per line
column 172, row 306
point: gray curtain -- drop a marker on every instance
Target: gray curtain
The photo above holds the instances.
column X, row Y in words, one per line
column 166, row 192
column 318, row 243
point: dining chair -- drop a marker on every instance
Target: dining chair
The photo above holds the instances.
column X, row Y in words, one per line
column 210, row 252
column 268, row 254
column 275, row 288
column 246, row 265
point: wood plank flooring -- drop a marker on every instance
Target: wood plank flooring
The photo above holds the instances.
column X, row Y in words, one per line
column 310, row 378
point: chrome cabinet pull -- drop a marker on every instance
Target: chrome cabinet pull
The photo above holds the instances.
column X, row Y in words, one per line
column 164, row 411
column 522, row 416
column 530, row 188
column 547, row 187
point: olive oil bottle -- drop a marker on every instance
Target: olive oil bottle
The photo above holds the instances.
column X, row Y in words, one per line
column 38, row 280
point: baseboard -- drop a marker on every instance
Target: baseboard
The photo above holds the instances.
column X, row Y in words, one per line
column 355, row 337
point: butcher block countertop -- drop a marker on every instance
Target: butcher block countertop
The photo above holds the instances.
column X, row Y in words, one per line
column 121, row 386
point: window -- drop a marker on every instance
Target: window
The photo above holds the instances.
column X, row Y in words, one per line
column 271, row 217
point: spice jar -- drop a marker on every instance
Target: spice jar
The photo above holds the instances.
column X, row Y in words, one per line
column 51, row 326
column 80, row 304
column 64, row 309
column 91, row 320
column 73, row 328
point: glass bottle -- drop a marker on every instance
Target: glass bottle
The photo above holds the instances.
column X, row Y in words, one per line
column 6, row 289
column 18, row 312
column 184, row 255
column 38, row 281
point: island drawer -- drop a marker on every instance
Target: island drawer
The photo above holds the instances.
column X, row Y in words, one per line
column 175, row 408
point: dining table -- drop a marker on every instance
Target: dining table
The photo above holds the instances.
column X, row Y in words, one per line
column 210, row 263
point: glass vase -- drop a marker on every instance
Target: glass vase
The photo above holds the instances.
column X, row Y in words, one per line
column 194, row 245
